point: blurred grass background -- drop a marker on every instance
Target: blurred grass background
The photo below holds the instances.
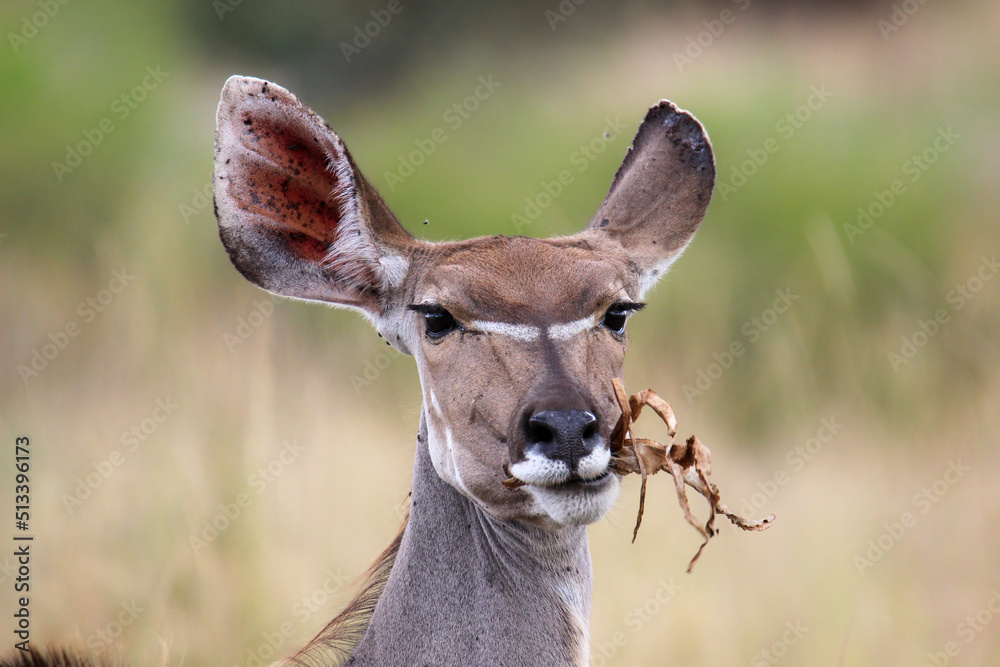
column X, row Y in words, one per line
column 135, row 203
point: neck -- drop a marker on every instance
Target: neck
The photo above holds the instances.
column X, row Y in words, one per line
column 469, row 590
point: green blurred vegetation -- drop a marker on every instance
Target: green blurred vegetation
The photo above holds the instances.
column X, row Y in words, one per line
column 136, row 202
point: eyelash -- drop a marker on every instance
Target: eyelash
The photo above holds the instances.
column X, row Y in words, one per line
column 618, row 314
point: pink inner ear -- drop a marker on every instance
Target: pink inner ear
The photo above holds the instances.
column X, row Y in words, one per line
column 282, row 175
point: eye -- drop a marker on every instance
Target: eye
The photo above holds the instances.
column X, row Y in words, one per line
column 617, row 315
column 438, row 322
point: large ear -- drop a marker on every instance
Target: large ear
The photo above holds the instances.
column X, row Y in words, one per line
column 661, row 191
column 295, row 214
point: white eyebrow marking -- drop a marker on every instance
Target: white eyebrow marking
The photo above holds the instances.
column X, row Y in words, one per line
column 570, row 329
column 526, row 332
column 530, row 332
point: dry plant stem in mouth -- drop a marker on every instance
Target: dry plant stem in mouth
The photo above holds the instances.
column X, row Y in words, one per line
column 511, row 482
column 689, row 463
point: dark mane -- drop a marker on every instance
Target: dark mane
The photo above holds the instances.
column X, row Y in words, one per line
column 335, row 643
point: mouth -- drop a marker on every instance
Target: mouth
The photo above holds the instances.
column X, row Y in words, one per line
column 539, row 471
column 576, row 482
column 573, row 483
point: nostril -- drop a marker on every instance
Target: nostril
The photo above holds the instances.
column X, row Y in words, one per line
column 539, row 432
column 565, row 429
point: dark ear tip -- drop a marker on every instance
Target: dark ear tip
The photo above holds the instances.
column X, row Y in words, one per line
column 685, row 132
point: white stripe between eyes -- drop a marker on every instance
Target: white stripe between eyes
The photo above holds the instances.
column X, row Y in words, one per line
column 519, row 331
column 529, row 332
column 570, row 329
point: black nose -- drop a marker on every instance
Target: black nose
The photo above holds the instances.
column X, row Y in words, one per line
column 563, row 435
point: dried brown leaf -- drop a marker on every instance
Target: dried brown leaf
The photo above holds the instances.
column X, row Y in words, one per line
column 689, row 464
column 652, row 454
column 624, row 424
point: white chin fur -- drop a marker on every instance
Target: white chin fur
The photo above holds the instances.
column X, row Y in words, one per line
column 577, row 506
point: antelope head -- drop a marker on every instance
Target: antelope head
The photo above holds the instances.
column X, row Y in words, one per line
column 516, row 339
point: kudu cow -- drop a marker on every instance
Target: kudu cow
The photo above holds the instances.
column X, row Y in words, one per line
column 516, row 341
